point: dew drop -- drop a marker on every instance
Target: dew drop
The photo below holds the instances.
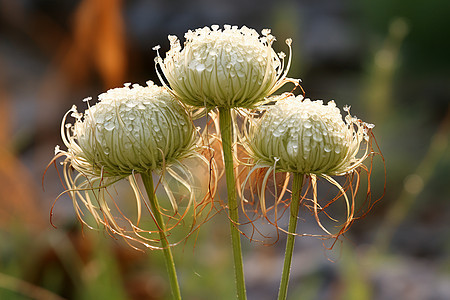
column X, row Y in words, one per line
column 327, row 148
column 317, row 137
column 131, row 104
column 292, row 148
column 308, row 132
column 110, row 126
column 307, row 124
column 276, row 133
column 200, row 67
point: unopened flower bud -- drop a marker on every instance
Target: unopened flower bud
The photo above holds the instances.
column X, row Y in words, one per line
column 224, row 68
column 135, row 129
column 131, row 130
column 309, row 137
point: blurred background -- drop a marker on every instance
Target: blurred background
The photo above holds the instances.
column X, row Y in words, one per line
column 387, row 59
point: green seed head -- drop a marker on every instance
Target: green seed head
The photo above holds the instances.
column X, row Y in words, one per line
column 135, row 129
column 224, row 68
column 308, row 137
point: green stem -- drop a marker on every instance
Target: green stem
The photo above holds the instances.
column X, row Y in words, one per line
column 225, row 131
column 148, row 183
column 295, row 204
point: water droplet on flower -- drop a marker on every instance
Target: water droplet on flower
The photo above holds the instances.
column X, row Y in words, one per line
column 131, row 104
column 317, row 137
column 200, row 67
column 292, row 148
column 308, row 132
column 276, row 133
column 110, row 126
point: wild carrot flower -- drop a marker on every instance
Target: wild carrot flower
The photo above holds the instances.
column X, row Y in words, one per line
column 233, row 67
column 131, row 130
column 301, row 136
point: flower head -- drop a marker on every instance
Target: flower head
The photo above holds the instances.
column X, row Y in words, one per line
column 308, row 137
column 233, row 67
column 300, row 136
column 131, row 130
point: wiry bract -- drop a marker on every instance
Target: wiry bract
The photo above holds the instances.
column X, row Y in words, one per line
column 233, row 67
column 129, row 131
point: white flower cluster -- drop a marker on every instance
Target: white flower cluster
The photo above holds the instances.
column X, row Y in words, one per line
column 303, row 136
column 135, row 129
column 233, row 67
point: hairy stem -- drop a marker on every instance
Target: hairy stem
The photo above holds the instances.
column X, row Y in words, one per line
column 226, row 130
column 148, row 183
column 295, row 204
